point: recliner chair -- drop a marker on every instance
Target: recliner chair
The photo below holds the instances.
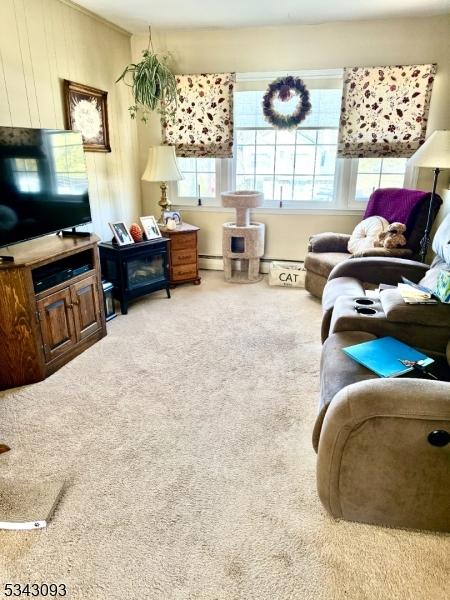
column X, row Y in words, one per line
column 326, row 250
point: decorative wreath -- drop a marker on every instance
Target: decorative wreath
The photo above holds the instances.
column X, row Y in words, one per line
column 283, row 89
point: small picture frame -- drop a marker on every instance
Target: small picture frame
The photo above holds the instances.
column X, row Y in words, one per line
column 150, row 227
column 121, row 233
column 86, row 111
column 172, row 214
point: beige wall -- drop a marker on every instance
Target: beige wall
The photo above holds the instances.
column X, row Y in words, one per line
column 43, row 42
column 371, row 43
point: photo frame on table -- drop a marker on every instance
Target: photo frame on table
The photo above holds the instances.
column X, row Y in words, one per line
column 86, row 111
column 172, row 214
column 121, row 233
column 150, row 227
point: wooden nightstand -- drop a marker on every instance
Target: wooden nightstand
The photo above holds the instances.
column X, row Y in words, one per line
column 183, row 254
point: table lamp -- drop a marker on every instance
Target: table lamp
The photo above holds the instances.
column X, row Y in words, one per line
column 433, row 154
column 162, row 167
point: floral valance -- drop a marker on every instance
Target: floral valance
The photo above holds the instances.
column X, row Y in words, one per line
column 384, row 110
column 203, row 123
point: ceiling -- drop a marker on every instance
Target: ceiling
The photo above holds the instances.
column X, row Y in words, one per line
column 136, row 15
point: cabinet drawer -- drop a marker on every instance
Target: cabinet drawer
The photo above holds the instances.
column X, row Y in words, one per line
column 183, row 240
column 184, row 272
column 184, row 257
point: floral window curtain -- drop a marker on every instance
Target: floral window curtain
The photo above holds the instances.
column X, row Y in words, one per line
column 384, row 110
column 203, row 123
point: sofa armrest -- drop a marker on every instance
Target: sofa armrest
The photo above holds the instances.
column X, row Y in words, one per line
column 328, row 242
column 380, row 270
column 397, row 410
column 398, row 311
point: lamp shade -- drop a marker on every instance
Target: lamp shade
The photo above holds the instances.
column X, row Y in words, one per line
column 435, row 152
column 162, row 165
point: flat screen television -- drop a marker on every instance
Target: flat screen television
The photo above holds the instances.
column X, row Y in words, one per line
column 43, row 183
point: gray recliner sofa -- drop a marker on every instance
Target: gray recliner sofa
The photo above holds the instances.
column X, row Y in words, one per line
column 424, row 326
column 383, row 445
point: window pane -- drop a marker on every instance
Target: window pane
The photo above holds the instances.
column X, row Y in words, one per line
column 391, row 181
column 365, row 185
column 285, row 137
column 248, row 109
column 245, row 182
column 369, row 165
column 305, row 159
column 284, row 163
column 245, row 137
column 306, row 137
column 326, row 108
column 323, row 189
column 286, row 184
column 303, row 187
column 264, row 183
column 206, row 165
column 186, row 187
column 327, row 136
column 326, row 160
column 265, row 158
column 186, row 164
column 207, row 183
column 265, row 137
column 393, row 165
column 245, row 159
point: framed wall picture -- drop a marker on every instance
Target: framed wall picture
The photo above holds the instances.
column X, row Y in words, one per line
column 121, row 233
column 150, row 227
column 87, row 112
column 172, row 214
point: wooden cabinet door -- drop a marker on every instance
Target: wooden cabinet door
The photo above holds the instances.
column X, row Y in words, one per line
column 86, row 307
column 57, row 324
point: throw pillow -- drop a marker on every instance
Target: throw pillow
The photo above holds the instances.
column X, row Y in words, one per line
column 365, row 234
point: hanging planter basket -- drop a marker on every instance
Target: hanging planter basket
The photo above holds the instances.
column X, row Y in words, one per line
column 153, row 86
column 284, row 89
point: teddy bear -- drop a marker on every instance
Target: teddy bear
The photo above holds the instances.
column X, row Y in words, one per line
column 392, row 238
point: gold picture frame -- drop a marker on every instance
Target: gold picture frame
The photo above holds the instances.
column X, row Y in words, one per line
column 86, row 111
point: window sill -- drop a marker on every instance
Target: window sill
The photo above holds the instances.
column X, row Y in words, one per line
column 334, row 211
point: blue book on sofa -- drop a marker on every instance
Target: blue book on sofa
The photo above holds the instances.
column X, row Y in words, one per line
column 383, row 356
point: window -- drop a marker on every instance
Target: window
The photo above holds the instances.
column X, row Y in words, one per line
column 378, row 172
column 295, row 166
column 294, row 169
column 199, row 178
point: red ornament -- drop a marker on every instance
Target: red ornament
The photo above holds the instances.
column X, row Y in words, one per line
column 136, row 232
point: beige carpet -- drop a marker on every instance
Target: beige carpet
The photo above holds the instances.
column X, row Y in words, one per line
column 185, row 439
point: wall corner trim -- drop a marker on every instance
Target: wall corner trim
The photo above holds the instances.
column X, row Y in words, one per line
column 98, row 18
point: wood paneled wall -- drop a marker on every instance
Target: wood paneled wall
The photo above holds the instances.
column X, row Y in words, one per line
column 43, row 42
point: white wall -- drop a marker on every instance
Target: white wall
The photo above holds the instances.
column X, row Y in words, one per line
column 332, row 45
column 43, row 42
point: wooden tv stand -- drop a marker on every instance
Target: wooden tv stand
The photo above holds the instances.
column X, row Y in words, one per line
column 51, row 306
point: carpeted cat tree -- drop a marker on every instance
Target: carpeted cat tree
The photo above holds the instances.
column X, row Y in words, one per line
column 242, row 241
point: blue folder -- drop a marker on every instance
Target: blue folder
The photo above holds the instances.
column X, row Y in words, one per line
column 383, row 356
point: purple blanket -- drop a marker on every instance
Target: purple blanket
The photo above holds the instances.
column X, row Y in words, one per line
column 394, row 204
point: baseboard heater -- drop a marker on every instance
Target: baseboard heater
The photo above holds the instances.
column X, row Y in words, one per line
column 215, row 263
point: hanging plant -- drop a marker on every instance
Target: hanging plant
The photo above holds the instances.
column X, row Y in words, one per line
column 153, row 85
column 284, row 89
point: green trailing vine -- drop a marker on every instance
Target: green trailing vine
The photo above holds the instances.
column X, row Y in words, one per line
column 153, row 85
